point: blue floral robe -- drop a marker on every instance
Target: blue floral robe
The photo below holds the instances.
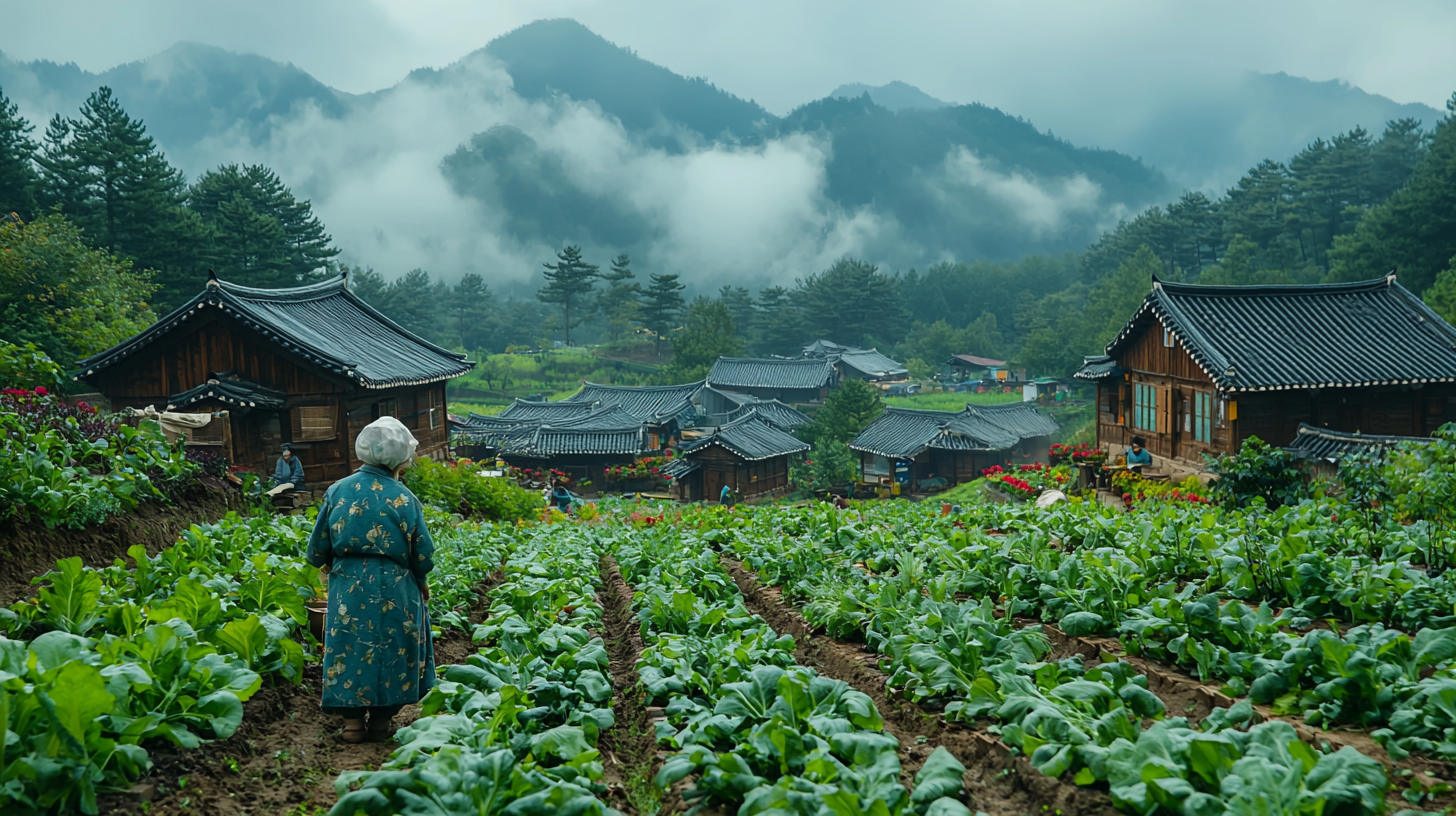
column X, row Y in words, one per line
column 377, row 645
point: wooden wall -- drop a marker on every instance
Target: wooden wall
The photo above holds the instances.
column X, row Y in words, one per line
column 1273, row 416
column 214, row 343
column 719, row 466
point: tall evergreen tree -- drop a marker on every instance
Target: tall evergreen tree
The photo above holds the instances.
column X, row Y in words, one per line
column 851, row 303
column 740, row 304
column 778, row 326
column 707, row 334
column 474, row 312
column 619, row 301
column 238, row 202
column 662, row 305
column 104, row 172
column 1114, row 301
column 569, row 283
column 1415, row 229
column 17, row 162
column 1442, row 294
column 368, row 285
column 847, row 410
column 414, row 302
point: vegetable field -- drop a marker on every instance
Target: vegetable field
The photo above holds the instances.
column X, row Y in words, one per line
column 1177, row 658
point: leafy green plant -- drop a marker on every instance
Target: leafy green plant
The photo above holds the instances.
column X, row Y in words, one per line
column 1258, row 472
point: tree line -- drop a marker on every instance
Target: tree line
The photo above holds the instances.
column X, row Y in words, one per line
column 106, row 235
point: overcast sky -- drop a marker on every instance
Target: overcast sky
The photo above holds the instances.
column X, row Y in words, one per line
column 1029, row 58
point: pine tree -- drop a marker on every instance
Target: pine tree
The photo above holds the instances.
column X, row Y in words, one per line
column 104, row 172
column 1114, row 300
column 17, row 162
column 851, row 303
column 848, row 409
column 1442, row 295
column 707, row 334
column 301, row 248
column 367, row 285
column 662, row 305
column 248, row 246
column 778, row 326
column 619, row 301
column 413, row 302
column 474, row 312
column 569, row 283
column 740, row 304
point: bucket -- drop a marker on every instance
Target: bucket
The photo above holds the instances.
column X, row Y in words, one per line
column 945, row 508
column 318, row 610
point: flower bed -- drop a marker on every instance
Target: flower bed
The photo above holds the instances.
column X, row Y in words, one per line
column 1026, row 481
column 1136, row 489
column 65, row 463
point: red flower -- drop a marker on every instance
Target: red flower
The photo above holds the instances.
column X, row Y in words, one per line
column 40, row 390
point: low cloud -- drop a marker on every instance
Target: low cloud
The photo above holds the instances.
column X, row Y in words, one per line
column 1042, row 206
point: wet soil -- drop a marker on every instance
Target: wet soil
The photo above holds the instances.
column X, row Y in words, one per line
column 629, row 749
column 283, row 760
column 999, row 782
column 31, row 549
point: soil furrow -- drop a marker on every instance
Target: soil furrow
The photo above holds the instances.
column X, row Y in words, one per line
column 999, row 781
column 283, row 759
column 628, row 748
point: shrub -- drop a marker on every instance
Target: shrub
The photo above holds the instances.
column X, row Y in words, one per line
column 26, row 367
column 1258, row 472
column 462, row 489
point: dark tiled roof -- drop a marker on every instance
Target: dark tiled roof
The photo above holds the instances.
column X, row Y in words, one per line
column 1321, row 443
column 1330, row 335
column 822, row 347
column 773, row 412
column 609, row 418
column 324, row 324
column 734, row 372
column 678, row 468
column 551, row 441
column 647, row 403
column 902, row 433
column 230, row 392
column 974, row 361
column 749, row 438
column 871, row 363
column 1020, row 418
column 1098, row 367
column 548, row 411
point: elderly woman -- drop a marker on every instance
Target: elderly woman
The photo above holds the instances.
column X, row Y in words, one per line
column 370, row 539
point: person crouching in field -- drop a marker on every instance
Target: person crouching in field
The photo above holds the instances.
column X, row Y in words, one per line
column 371, row 541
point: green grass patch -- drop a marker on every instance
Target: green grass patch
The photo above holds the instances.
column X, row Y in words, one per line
column 956, row 401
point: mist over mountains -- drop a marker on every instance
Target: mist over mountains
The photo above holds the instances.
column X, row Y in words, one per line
column 551, row 134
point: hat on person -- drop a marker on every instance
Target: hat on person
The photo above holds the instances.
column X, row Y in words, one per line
column 385, row 443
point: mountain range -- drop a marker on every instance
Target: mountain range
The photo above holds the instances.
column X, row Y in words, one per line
column 551, row 134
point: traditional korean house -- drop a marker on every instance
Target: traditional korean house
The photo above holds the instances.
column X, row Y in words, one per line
column 857, row 363
column 750, row 455
column 1199, row 369
column 971, row 367
column 582, row 446
column 789, row 381
column 927, row 448
column 664, row 409
column 720, row 407
column 310, row 366
column 1322, row 449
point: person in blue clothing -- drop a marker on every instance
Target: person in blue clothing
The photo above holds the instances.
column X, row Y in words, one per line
column 1137, row 454
column 371, row 541
column 289, row 469
column 562, row 497
column 725, row 497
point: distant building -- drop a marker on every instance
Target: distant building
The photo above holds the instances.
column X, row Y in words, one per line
column 955, row 446
column 789, row 381
column 1199, row 369
column 857, row 363
column 970, row 367
column 720, row 407
column 310, row 366
column 751, row 455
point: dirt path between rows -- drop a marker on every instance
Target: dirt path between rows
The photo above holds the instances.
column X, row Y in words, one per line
column 283, row 760
column 999, row 782
column 629, row 747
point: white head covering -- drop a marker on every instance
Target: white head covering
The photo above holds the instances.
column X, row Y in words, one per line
column 385, row 443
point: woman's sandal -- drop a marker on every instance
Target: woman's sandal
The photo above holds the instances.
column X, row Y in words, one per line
column 354, row 731
column 380, row 730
